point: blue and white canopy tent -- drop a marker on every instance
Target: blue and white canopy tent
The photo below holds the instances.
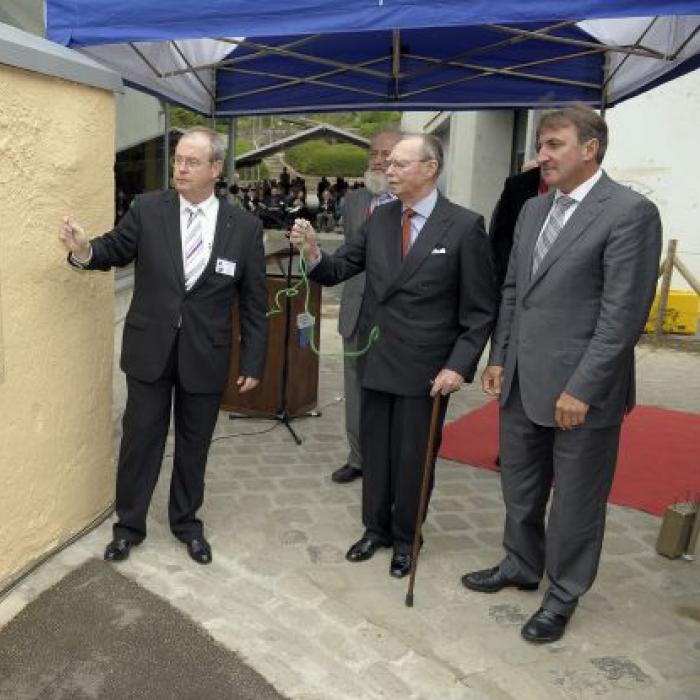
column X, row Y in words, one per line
column 227, row 58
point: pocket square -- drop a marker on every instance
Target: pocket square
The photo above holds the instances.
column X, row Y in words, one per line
column 438, row 251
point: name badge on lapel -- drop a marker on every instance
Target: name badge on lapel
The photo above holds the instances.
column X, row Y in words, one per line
column 438, row 251
column 225, row 267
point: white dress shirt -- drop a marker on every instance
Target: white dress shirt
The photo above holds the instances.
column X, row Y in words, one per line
column 577, row 194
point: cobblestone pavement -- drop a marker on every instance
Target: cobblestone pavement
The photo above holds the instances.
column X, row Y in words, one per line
column 281, row 594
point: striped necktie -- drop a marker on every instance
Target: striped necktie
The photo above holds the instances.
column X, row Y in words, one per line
column 196, row 254
column 549, row 233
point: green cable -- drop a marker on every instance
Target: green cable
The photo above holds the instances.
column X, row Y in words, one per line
column 293, row 291
column 287, row 291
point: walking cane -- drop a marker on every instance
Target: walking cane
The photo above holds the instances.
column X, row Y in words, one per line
column 428, row 465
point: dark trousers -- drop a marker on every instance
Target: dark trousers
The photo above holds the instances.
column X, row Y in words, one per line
column 145, row 428
column 395, row 431
column 578, row 467
column 351, row 382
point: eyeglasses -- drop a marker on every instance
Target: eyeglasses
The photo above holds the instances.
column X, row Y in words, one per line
column 403, row 164
column 189, row 163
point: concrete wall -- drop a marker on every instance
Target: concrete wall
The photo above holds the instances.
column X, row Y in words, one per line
column 477, row 154
column 655, row 148
column 139, row 118
column 57, row 140
column 25, row 14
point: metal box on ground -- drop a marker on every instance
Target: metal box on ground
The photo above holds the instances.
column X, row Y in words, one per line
column 676, row 528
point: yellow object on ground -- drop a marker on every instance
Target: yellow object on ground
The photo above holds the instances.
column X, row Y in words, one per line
column 681, row 313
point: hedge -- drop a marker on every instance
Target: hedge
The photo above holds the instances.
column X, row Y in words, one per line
column 321, row 158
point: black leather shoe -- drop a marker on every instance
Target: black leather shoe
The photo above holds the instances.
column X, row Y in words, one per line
column 346, row 474
column 199, row 550
column 492, row 581
column 400, row 564
column 363, row 549
column 118, row 549
column 544, row 626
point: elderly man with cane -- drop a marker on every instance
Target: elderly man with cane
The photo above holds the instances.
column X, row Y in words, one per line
column 430, row 290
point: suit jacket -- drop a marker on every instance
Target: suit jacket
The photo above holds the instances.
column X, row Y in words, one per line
column 149, row 235
column 355, row 208
column 574, row 325
column 435, row 309
column 517, row 189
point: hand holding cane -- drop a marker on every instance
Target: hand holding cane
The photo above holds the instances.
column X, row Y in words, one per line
column 428, row 465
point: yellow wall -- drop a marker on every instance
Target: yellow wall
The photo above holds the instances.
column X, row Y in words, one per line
column 56, row 338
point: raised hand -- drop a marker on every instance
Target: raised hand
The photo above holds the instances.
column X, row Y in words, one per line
column 303, row 237
column 74, row 239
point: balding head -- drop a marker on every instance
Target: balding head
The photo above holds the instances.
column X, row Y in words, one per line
column 414, row 167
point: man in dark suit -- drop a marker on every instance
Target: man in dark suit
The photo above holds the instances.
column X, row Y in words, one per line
column 194, row 255
column 580, row 282
column 517, row 189
column 357, row 206
column 430, row 290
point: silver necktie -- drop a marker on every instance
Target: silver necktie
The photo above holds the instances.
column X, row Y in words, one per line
column 549, row 233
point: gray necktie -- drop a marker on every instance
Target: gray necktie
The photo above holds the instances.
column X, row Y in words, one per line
column 549, row 233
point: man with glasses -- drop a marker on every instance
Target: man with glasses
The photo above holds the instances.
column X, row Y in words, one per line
column 430, row 290
column 194, row 255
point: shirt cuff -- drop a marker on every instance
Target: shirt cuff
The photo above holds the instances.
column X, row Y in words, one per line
column 82, row 264
column 312, row 264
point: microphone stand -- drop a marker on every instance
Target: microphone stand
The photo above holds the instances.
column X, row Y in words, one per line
column 282, row 414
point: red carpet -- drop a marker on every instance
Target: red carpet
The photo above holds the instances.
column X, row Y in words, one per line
column 658, row 464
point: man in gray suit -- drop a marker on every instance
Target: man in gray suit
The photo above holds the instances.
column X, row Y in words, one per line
column 358, row 205
column 579, row 285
